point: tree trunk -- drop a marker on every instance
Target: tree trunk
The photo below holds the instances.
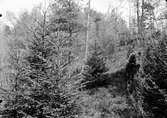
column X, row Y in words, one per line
column 87, row 33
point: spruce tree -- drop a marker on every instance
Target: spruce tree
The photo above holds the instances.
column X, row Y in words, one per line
column 40, row 88
column 94, row 67
column 155, row 69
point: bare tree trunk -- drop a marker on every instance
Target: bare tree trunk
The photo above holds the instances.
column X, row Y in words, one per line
column 142, row 25
column 138, row 18
column 87, row 33
column 142, row 15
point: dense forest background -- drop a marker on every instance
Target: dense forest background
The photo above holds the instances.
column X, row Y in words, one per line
column 66, row 61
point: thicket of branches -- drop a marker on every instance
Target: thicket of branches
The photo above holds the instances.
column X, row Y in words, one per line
column 48, row 77
column 155, row 71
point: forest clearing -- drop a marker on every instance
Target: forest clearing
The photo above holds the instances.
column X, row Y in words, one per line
column 64, row 59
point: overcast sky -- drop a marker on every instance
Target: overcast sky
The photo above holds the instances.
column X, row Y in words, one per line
column 18, row 6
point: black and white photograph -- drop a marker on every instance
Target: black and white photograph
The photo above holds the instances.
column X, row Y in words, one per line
column 83, row 58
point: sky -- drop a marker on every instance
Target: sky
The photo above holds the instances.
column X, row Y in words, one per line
column 18, row 6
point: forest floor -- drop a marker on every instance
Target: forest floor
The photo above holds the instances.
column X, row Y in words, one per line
column 111, row 101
